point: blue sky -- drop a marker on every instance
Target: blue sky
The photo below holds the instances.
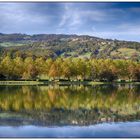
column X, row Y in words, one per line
column 106, row 20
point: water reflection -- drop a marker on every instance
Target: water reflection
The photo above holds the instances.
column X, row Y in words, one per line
column 126, row 130
column 72, row 105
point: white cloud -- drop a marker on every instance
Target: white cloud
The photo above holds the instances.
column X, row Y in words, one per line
column 121, row 32
column 17, row 16
column 130, row 28
column 70, row 16
column 73, row 16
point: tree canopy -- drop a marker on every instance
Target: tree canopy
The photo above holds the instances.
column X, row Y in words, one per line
column 69, row 68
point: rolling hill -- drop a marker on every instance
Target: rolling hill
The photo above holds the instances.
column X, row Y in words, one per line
column 56, row 45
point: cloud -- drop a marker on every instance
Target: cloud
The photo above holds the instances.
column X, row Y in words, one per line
column 130, row 28
column 22, row 17
column 74, row 16
column 123, row 31
column 69, row 16
column 109, row 20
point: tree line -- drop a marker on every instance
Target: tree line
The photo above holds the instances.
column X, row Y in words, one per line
column 69, row 68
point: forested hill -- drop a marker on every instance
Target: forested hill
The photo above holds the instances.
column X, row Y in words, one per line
column 55, row 45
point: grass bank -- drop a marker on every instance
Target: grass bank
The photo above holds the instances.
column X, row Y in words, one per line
column 20, row 83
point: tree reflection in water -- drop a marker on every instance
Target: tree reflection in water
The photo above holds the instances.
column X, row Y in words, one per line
column 76, row 105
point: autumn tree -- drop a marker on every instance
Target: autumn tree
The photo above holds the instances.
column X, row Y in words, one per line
column 18, row 67
column 30, row 70
column 7, row 67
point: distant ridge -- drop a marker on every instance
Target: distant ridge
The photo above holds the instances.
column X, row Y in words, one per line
column 64, row 45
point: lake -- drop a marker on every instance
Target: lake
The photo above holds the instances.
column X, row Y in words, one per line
column 70, row 111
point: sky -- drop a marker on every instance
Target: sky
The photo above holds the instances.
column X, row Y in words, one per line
column 106, row 19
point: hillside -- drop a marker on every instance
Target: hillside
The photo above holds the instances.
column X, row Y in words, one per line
column 55, row 45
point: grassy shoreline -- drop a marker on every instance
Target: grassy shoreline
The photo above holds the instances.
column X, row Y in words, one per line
column 90, row 83
column 20, row 82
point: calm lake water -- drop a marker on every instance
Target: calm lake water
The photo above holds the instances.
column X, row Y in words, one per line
column 70, row 111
